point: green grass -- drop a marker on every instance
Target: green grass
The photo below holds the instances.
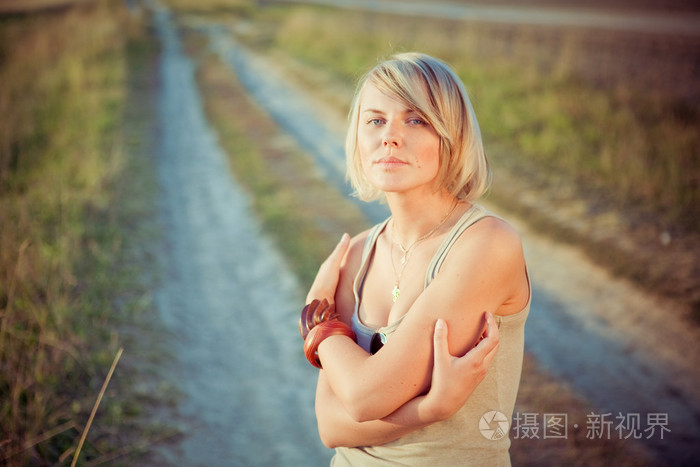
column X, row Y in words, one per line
column 66, row 262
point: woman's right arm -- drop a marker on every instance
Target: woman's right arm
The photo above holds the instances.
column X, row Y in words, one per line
column 453, row 381
column 336, row 428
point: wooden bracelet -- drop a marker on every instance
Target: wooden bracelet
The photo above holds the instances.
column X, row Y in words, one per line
column 319, row 333
column 315, row 313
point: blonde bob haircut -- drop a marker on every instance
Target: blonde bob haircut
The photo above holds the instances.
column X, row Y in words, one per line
column 430, row 88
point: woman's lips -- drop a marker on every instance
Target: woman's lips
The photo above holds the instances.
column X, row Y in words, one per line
column 390, row 162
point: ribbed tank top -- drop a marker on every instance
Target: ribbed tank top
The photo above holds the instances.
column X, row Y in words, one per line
column 467, row 437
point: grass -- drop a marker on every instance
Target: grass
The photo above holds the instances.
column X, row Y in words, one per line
column 67, row 279
column 25, row 7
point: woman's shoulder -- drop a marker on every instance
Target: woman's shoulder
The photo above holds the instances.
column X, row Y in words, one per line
column 489, row 253
column 490, row 238
column 496, row 229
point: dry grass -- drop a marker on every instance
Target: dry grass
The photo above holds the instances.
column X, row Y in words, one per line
column 239, row 8
column 24, row 7
column 64, row 279
column 100, row 395
column 44, row 195
column 619, row 5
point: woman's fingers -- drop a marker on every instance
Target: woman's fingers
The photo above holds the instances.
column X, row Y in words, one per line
column 454, row 378
column 440, row 345
column 342, row 245
column 489, row 342
column 484, row 351
column 335, row 259
column 326, row 279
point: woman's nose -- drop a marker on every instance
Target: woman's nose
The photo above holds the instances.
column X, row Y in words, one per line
column 391, row 137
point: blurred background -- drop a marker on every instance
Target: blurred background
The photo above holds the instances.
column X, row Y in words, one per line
column 171, row 176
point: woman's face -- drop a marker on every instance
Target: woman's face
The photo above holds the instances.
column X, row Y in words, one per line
column 399, row 151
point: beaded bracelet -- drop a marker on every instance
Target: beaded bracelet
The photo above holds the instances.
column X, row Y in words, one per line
column 319, row 333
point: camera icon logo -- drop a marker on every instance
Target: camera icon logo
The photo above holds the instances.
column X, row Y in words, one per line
column 493, row 425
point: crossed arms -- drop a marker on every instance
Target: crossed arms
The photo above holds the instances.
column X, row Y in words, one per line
column 414, row 380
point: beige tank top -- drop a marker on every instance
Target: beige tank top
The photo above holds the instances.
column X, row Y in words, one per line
column 478, row 433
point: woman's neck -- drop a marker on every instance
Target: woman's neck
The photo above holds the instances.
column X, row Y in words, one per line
column 416, row 217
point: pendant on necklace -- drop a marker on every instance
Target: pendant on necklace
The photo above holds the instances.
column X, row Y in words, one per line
column 395, row 293
column 403, row 260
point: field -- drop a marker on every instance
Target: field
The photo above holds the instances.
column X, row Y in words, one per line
column 73, row 206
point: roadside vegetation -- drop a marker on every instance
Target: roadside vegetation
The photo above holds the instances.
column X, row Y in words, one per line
column 74, row 208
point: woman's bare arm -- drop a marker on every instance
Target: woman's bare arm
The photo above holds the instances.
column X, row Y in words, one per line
column 454, row 379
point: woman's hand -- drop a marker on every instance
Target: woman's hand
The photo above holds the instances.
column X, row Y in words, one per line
column 455, row 378
column 326, row 280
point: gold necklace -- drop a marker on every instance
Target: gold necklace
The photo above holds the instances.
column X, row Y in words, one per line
column 407, row 251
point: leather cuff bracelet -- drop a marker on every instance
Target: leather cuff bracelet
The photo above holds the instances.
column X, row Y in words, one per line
column 319, row 333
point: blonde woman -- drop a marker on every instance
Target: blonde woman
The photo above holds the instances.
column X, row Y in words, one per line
column 390, row 391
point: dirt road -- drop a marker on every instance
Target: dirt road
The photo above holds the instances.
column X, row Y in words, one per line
column 227, row 298
column 230, row 301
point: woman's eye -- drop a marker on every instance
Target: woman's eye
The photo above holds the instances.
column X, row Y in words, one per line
column 374, row 121
column 416, row 121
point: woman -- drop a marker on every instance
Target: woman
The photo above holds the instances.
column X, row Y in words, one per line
column 389, row 391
